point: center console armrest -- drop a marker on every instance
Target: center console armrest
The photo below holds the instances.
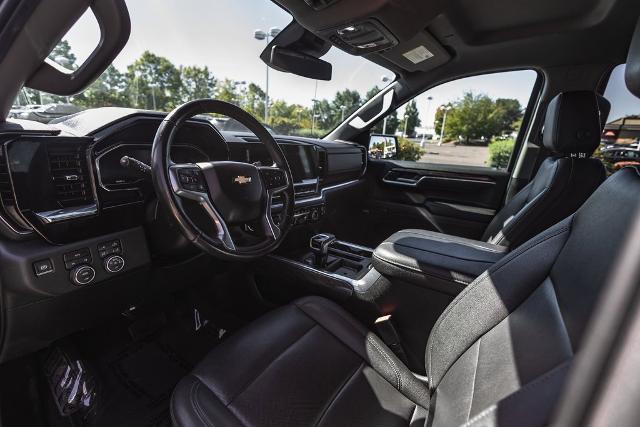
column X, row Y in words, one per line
column 435, row 260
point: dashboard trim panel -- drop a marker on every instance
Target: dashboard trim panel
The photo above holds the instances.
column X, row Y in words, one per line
column 64, row 214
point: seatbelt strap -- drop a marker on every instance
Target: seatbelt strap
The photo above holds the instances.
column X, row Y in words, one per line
column 388, row 334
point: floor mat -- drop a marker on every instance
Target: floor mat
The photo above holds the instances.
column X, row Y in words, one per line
column 136, row 377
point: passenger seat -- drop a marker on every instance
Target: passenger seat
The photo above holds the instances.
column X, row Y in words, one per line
column 565, row 180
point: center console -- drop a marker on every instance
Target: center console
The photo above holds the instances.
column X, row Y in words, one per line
column 398, row 289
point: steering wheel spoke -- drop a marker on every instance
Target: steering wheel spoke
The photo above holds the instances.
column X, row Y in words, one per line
column 187, row 182
column 275, row 179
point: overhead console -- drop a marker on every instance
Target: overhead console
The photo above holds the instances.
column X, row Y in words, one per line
column 395, row 30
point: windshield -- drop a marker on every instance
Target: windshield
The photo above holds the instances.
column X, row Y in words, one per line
column 192, row 49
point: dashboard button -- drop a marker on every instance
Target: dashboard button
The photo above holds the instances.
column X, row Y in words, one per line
column 114, row 263
column 43, row 266
column 76, row 262
column 83, row 275
column 78, row 253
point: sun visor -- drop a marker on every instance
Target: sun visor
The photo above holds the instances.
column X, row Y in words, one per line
column 419, row 54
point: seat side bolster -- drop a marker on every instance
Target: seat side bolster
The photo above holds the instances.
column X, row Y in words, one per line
column 367, row 345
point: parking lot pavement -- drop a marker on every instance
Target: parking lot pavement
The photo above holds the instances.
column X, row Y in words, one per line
column 455, row 154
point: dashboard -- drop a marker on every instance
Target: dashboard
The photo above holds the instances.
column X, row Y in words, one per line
column 70, row 183
column 82, row 235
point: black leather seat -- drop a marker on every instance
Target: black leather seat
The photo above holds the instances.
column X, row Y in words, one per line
column 572, row 129
column 498, row 354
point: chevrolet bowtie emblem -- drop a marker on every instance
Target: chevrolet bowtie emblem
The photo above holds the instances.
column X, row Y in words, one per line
column 242, row 179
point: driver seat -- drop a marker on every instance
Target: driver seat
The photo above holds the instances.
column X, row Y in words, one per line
column 497, row 355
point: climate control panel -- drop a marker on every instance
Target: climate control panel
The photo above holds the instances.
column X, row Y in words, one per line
column 58, row 269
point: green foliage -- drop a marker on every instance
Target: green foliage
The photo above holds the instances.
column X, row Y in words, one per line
column 474, row 117
column 197, row 82
column 154, row 82
column 228, row 91
column 408, row 150
column 412, row 116
column 107, row 91
column 500, row 153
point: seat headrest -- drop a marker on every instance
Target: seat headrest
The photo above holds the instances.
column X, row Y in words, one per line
column 632, row 71
column 573, row 125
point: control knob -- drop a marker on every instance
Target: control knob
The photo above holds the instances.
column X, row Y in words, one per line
column 113, row 263
column 82, row 275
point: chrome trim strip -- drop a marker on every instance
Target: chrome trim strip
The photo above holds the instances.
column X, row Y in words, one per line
column 57, row 215
column 203, row 199
column 357, row 285
column 423, row 177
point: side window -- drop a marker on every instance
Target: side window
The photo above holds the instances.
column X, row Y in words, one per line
column 620, row 143
column 472, row 121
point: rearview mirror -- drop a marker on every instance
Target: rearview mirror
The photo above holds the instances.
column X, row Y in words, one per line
column 296, row 50
column 299, row 63
column 382, row 146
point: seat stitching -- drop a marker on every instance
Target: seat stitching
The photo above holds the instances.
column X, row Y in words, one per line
column 196, row 405
column 325, row 411
column 389, row 360
column 475, row 374
column 517, row 253
column 250, row 382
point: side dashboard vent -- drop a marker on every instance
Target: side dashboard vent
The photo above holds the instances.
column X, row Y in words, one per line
column 6, row 193
column 70, row 174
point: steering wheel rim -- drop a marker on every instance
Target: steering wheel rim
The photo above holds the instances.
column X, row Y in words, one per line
column 209, row 185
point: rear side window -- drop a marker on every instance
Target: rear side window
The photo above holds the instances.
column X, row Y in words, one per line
column 621, row 136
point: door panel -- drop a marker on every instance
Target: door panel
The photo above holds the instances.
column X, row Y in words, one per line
column 458, row 200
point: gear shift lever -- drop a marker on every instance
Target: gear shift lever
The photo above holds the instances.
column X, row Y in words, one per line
column 320, row 247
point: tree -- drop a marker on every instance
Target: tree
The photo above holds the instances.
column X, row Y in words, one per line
column 412, row 116
column 153, row 81
column 473, row 117
column 510, row 112
column 284, row 117
column 107, row 91
column 253, row 100
column 371, row 93
column 228, row 91
column 347, row 100
column 62, row 55
column 197, row 83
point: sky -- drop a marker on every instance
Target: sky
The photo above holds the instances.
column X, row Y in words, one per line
column 220, row 35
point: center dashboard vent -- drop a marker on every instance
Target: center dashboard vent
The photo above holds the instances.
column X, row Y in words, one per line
column 70, row 174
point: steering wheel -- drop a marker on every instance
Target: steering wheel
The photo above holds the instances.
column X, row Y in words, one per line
column 232, row 194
